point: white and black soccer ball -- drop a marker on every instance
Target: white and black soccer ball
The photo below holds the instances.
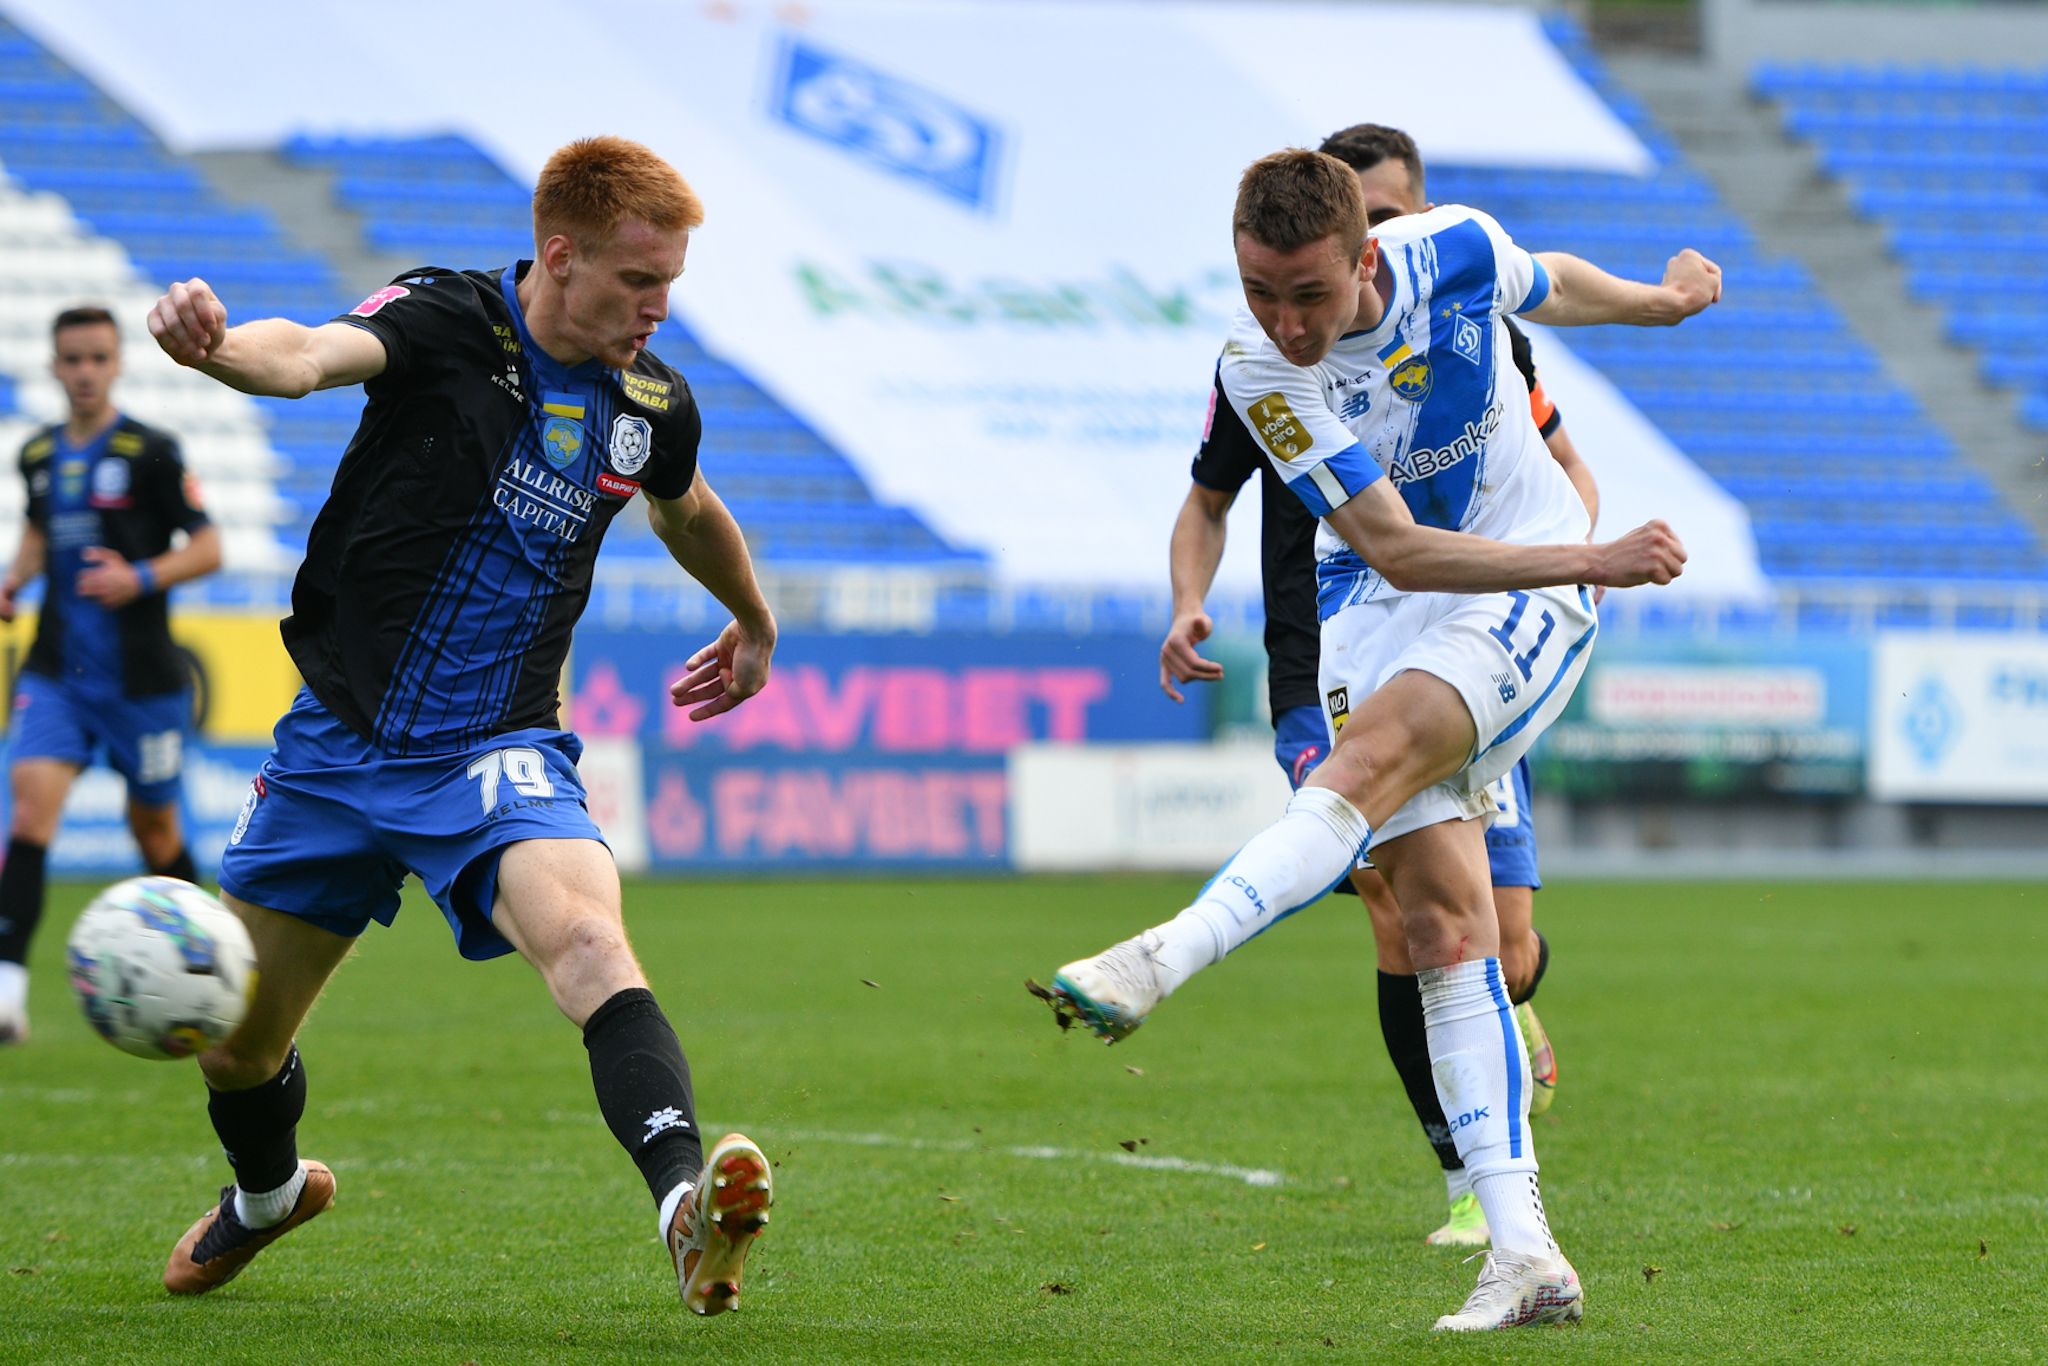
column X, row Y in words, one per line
column 161, row 968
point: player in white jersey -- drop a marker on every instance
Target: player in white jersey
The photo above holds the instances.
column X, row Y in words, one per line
column 1452, row 573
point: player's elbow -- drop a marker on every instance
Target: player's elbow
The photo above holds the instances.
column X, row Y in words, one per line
column 1402, row 571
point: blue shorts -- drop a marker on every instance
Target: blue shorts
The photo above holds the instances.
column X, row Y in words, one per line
column 141, row 738
column 333, row 824
column 1301, row 740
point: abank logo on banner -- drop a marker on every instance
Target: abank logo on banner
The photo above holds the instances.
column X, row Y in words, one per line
column 903, row 128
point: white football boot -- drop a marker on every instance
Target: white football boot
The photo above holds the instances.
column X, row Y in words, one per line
column 13, row 1003
column 1112, row 992
column 1515, row 1289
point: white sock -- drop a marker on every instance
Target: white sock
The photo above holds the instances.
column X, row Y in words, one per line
column 669, row 1204
column 13, row 986
column 261, row 1209
column 1283, row 868
column 1482, row 1079
column 1457, row 1181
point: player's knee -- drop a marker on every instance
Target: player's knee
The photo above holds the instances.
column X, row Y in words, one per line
column 246, row 1059
column 592, row 953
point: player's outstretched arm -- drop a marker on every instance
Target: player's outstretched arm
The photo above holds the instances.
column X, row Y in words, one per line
column 1196, row 550
column 1582, row 294
column 1420, row 559
column 703, row 538
column 272, row 356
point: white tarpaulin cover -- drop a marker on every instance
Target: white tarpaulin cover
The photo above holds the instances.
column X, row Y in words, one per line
column 983, row 247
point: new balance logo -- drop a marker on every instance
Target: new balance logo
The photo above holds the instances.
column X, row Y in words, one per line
column 1356, row 406
column 1506, row 686
column 663, row 1120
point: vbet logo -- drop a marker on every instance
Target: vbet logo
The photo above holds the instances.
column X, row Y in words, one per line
column 887, row 121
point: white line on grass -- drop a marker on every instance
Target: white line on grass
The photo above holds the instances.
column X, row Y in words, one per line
column 1251, row 1176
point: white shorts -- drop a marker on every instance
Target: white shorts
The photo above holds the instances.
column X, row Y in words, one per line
column 1514, row 657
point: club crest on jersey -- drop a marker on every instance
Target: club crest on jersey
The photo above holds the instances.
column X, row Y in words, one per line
column 1340, row 707
column 561, row 437
column 561, row 440
column 1411, row 379
column 110, row 483
column 1465, row 339
column 632, row 443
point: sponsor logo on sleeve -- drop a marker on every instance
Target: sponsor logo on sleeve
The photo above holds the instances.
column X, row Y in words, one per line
column 655, row 394
column 1278, row 427
column 611, row 483
column 1339, row 700
column 368, row 307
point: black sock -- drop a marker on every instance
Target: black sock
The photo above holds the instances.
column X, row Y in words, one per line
column 1408, row 1045
column 1542, row 966
column 180, row 866
column 21, row 898
column 643, row 1088
column 259, row 1127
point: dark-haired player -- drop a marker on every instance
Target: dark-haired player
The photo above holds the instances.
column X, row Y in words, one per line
column 1453, row 584
column 509, row 415
column 1390, row 172
column 107, row 496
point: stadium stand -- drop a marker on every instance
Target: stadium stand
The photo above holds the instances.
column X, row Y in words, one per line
column 444, row 200
column 94, row 210
column 1847, row 481
column 1845, row 478
column 1953, row 164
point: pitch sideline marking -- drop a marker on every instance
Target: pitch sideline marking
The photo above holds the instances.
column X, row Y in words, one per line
column 1251, row 1176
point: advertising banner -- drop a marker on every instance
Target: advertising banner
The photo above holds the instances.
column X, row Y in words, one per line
column 983, row 249
column 1140, row 806
column 93, row 840
column 1961, row 718
column 1713, row 719
column 863, row 751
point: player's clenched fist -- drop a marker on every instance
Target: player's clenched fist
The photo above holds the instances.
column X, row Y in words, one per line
column 1694, row 281
column 189, row 322
column 1651, row 553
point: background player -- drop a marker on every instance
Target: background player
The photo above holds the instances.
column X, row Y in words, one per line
column 1391, row 174
column 106, row 497
column 1438, row 669
column 510, row 414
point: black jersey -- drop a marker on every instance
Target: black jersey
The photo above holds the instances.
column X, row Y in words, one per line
column 1228, row 456
column 125, row 490
column 446, row 570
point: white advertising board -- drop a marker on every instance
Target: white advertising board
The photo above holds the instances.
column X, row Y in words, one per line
column 1079, row 808
column 1959, row 718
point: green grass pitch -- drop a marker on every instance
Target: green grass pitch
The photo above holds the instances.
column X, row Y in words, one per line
column 1800, row 1123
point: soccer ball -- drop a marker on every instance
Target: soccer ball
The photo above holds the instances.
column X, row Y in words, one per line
column 162, row 969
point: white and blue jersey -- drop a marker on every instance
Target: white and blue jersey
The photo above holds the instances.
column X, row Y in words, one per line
column 1430, row 398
